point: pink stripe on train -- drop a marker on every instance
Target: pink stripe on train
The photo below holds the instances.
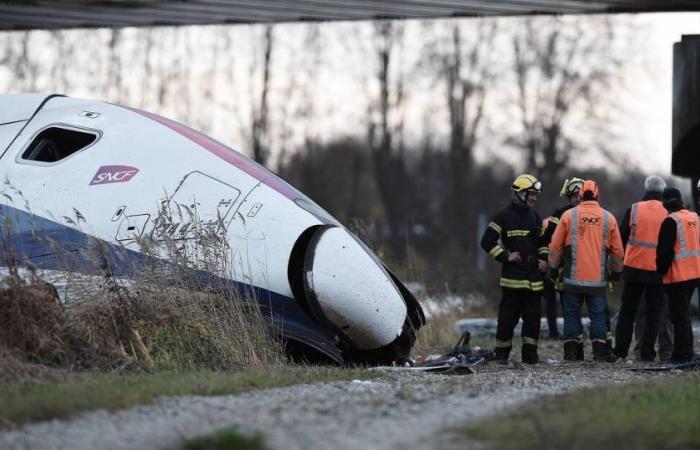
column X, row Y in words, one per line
column 229, row 155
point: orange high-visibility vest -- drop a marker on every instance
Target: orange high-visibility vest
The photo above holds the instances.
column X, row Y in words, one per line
column 591, row 234
column 645, row 223
column 686, row 259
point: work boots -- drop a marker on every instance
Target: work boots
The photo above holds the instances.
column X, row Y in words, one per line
column 502, row 355
column 529, row 354
column 571, row 351
column 601, row 352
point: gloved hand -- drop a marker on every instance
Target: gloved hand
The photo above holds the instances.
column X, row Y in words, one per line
column 615, row 276
column 552, row 274
column 514, row 257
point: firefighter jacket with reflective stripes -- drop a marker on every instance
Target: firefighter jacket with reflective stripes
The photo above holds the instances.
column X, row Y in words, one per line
column 637, row 228
column 678, row 251
column 517, row 228
column 586, row 237
column 551, row 222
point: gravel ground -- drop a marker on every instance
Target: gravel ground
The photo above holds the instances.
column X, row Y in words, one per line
column 399, row 410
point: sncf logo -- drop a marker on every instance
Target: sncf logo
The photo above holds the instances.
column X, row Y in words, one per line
column 692, row 224
column 590, row 220
column 114, row 174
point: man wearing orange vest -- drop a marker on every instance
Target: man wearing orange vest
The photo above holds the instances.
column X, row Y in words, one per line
column 571, row 191
column 583, row 240
column 640, row 232
column 678, row 262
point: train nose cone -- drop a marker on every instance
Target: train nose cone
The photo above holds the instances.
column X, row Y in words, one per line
column 352, row 291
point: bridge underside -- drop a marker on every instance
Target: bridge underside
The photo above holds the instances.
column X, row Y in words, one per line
column 59, row 14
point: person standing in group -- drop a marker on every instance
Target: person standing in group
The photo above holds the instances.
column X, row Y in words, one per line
column 515, row 238
column 585, row 237
column 640, row 232
column 678, row 263
column 570, row 190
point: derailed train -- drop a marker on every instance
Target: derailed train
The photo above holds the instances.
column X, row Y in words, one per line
column 117, row 170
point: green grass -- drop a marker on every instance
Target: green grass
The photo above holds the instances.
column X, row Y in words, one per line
column 225, row 440
column 652, row 415
column 31, row 401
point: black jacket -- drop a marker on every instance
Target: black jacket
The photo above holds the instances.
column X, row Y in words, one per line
column 517, row 228
column 665, row 248
column 631, row 273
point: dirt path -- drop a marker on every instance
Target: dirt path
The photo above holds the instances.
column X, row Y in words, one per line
column 396, row 411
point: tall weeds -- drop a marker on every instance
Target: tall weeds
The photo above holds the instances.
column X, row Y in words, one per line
column 175, row 310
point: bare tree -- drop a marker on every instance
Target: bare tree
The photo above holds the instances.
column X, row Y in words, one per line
column 564, row 69
column 465, row 68
column 385, row 131
column 260, row 120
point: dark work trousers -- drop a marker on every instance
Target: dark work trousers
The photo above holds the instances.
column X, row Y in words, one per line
column 631, row 296
column 517, row 303
column 550, row 307
column 664, row 339
column 679, row 314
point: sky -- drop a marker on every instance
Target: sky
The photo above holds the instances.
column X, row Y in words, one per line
column 221, row 100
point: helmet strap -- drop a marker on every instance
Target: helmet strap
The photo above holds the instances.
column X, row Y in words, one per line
column 521, row 197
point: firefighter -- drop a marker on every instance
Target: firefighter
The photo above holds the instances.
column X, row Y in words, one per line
column 515, row 238
column 570, row 190
column 678, row 263
column 582, row 241
column 640, row 232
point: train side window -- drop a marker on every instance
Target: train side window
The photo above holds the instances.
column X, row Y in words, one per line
column 56, row 143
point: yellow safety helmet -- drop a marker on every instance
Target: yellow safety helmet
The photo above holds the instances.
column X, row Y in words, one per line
column 571, row 187
column 526, row 182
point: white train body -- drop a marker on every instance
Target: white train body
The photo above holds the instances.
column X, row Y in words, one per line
column 76, row 170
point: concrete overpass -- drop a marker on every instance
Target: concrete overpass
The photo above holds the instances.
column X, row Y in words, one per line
column 60, row 14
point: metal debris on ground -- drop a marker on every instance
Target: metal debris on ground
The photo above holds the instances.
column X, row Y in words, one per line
column 694, row 364
column 461, row 360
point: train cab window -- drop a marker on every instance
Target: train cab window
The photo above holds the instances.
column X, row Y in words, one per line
column 55, row 143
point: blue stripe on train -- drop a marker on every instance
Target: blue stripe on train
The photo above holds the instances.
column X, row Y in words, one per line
column 49, row 245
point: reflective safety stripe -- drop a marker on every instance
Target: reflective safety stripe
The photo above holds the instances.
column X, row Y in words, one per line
column 574, row 240
column 542, row 230
column 609, row 336
column 503, row 344
column 497, row 250
column 604, row 249
column 543, row 250
column 637, row 243
column 495, row 227
column 616, row 264
column 602, row 341
column 684, row 253
column 578, row 341
column 554, row 260
column 522, row 284
column 633, row 231
column 554, row 220
column 513, row 233
column 529, row 340
column 575, row 282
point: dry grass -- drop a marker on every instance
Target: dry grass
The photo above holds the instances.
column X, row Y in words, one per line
column 153, row 327
column 439, row 334
column 174, row 313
